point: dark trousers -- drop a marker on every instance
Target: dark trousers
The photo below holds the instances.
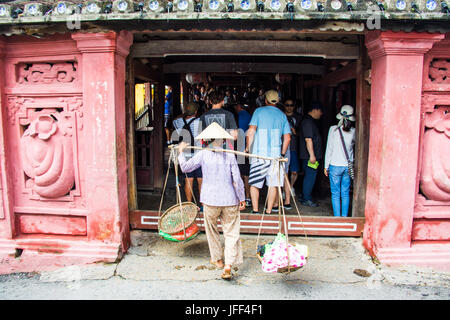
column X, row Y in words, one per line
column 309, row 179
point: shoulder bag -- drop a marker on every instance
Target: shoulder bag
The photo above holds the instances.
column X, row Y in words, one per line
column 187, row 126
column 350, row 163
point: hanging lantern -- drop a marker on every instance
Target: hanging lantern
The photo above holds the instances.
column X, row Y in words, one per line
column 282, row 78
column 190, row 78
column 193, row 78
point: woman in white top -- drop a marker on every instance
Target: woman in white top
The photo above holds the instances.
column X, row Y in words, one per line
column 336, row 164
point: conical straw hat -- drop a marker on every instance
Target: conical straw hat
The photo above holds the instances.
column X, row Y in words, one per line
column 213, row 131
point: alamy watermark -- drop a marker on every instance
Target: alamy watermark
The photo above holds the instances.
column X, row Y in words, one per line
column 73, row 22
column 373, row 22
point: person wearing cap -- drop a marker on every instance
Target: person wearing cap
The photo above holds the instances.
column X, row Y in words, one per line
column 222, row 196
column 336, row 164
column 269, row 135
column 310, row 142
column 187, row 126
column 243, row 119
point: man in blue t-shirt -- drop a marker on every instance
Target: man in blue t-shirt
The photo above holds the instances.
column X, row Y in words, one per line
column 167, row 112
column 269, row 135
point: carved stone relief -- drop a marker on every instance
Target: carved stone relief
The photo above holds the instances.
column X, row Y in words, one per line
column 439, row 71
column 15, row 105
column 2, row 208
column 435, row 173
column 46, row 73
column 48, row 145
column 47, row 155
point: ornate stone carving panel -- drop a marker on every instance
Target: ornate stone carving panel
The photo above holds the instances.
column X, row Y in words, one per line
column 2, row 208
column 47, row 156
column 436, row 69
column 46, row 73
column 434, row 167
column 15, row 104
column 439, row 71
column 435, row 172
column 48, row 145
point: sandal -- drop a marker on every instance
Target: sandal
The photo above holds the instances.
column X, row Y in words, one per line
column 219, row 263
column 226, row 275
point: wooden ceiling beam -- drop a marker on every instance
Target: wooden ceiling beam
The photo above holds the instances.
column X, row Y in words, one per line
column 243, row 67
column 324, row 49
column 348, row 72
column 144, row 72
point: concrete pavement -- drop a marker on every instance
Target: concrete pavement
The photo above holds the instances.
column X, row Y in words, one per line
column 154, row 268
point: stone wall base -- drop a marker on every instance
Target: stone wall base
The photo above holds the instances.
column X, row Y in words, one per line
column 33, row 255
column 421, row 253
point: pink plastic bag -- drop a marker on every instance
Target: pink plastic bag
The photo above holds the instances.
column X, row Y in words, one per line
column 277, row 257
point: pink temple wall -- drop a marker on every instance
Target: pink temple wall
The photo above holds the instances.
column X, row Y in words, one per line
column 63, row 150
column 63, row 168
column 404, row 226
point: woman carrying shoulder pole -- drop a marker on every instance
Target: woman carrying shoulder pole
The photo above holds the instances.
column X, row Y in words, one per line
column 222, row 195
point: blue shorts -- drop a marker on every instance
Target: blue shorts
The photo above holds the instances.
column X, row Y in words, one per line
column 197, row 173
column 294, row 165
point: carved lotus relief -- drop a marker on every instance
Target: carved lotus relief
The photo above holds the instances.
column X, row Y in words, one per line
column 47, row 156
column 435, row 176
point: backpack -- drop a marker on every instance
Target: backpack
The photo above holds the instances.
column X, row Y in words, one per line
column 187, row 126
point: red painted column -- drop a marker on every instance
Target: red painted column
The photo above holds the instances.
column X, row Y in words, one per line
column 103, row 78
column 5, row 225
column 397, row 67
column 6, row 207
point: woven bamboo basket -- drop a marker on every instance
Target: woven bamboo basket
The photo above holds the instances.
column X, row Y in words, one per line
column 172, row 220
